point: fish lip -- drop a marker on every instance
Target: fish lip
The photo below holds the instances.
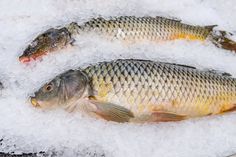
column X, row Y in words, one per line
column 24, row 59
column 37, row 55
column 34, row 102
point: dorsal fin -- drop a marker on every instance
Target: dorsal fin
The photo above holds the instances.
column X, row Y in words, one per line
column 222, row 73
column 210, row 27
column 169, row 18
column 144, row 60
column 181, row 65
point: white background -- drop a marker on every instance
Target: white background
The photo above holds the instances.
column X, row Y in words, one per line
column 26, row 129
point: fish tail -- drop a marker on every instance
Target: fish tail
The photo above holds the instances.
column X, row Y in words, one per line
column 221, row 39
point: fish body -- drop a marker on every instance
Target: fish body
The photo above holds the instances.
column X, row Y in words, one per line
column 129, row 29
column 144, row 90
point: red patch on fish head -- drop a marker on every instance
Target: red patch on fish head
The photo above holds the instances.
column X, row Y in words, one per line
column 35, row 56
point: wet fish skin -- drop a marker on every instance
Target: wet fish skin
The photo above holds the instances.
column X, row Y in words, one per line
column 141, row 28
column 146, row 91
column 130, row 29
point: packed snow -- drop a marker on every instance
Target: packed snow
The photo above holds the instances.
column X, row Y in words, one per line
column 24, row 128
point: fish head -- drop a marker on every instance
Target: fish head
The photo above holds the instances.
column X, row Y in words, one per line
column 61, row 91
column 47, row 42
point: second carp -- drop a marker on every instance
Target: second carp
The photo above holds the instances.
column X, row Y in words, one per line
column 139, row 91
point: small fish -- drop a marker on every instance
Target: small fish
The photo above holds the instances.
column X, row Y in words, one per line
column 139, row 91
column 125, row 28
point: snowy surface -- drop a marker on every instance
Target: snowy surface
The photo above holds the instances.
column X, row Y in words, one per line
column 26, row 129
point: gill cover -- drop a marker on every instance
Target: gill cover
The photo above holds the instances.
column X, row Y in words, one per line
column 73, row 83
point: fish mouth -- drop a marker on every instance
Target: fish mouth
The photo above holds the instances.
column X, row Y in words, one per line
column 34, row 102
column 35, row 56
column 24, row 59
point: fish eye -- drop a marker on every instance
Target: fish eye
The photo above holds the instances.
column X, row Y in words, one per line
column 44, row 35
column 34, row 43
column 48, row 88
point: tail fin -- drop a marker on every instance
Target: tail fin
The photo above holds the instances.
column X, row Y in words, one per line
column 222, row 39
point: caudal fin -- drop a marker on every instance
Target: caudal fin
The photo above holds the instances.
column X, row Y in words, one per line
column 222, row 39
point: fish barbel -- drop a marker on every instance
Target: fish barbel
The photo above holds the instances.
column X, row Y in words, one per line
column 130, row 29
column 139, row 91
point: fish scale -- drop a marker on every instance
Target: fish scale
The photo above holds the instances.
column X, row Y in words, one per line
column 139, row 28
column 146, row 86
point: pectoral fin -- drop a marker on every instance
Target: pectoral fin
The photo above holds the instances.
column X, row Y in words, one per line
column 166, row 117
column 112, row 112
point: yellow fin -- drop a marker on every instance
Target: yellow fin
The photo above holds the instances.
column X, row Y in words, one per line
column 112, row 112
column 158, row 117
column 166, row 117
column 232, row 109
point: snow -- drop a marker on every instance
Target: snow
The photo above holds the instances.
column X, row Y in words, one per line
column 26, row 129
